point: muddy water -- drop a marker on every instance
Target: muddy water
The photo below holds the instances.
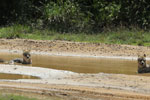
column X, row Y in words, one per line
column 15, row 76
column 7, row 57
column 87, row 65
column 80, row 64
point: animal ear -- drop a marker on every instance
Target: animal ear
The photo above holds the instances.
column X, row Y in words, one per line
column 144, row 55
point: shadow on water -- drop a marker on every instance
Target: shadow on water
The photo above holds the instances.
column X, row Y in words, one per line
column 81, row 64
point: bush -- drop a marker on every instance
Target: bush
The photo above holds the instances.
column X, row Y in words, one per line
column 64, row 17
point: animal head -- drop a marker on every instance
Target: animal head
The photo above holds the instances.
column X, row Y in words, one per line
column 141, row 61
column 26, row 57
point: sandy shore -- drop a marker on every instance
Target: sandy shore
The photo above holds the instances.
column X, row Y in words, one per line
column 101, row 85
column 74, row 86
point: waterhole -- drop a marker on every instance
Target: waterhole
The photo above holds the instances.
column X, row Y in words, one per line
column 80, row 64
column 16, row 76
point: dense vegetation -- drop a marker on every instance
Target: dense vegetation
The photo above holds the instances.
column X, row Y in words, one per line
column 76, row 17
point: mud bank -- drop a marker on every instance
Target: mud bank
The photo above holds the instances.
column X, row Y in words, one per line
column 43, row 73
column 65, row 48
column 69, row 54
column 90, row 86
column 98, row 84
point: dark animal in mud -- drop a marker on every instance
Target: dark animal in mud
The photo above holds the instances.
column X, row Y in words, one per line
column 1, row 60
column 143, row 67
column 25, row 60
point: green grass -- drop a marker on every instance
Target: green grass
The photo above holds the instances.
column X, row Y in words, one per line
column 122, row 36
column 15, row 97
column 8, row 96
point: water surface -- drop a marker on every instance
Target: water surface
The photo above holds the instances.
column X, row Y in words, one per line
column 16, row 76
column 80, row 64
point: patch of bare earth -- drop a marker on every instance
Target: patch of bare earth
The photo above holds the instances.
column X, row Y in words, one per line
column 81, row 86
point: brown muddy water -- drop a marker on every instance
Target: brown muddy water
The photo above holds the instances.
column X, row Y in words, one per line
column 86, row 65
column 80, row 64
column 15, row 76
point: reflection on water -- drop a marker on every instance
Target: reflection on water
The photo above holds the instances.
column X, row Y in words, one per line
column 80, row 64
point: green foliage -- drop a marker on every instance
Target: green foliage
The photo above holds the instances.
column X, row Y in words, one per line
column 135, row 13
column 73, row 16
column 105, row 12
column 64, row 16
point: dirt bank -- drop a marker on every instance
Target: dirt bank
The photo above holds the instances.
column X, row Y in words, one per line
column 66, row 48
column 74, row 86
